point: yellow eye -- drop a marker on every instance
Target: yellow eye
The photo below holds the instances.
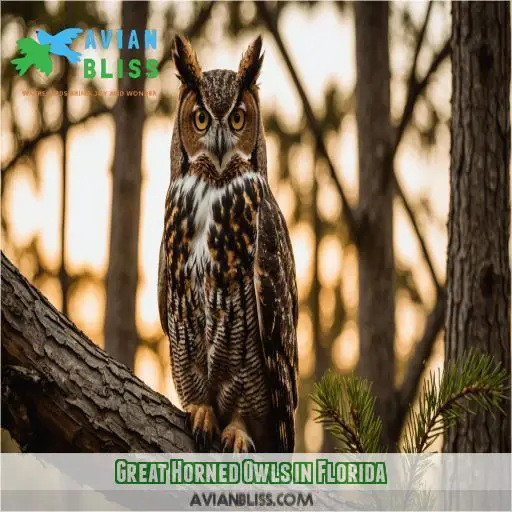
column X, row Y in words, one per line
column 237, row 119
column 201, row 119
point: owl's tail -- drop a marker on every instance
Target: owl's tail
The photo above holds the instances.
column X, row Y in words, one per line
column 22, row 64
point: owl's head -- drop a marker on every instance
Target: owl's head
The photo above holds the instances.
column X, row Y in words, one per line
column 218, row 114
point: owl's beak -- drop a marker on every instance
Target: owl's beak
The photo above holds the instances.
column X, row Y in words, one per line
column 221, row 145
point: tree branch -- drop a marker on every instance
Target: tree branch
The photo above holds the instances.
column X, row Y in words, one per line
column 417, row 362
column 271, row 23
column 421, row 239
column 28, row 146
column 415, row 89
column 419, row 44
column 413, row 92
column 62, row 393
column 435, row 320
column 201, row 19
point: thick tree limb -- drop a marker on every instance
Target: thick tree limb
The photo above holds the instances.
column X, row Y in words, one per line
column 61, row 392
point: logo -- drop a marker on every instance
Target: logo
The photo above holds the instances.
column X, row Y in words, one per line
column 38, row 53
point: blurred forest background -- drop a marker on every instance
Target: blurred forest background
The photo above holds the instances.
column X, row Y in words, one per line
column 84, row 179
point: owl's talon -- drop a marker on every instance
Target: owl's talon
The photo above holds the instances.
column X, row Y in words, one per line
column 203, row 424
column 188, row 420
column 201, row 440
column 205, row 439
column 236, row 440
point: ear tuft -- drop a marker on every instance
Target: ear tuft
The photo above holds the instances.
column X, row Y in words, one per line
column 250, row 65
column 185, row 59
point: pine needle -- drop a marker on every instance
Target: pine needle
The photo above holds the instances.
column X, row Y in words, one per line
column 345, row 405
column 346, row 408
column 475, row 379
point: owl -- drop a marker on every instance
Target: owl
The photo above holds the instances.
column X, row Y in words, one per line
column 226, row 283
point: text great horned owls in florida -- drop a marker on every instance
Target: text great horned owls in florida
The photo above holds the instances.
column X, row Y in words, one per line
column 226, row 282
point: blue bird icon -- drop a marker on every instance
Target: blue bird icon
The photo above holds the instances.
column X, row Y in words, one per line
column 59, row 43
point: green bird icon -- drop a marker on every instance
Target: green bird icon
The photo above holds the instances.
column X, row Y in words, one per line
column 35, row 54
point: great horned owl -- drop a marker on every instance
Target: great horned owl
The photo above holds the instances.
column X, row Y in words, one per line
column 226, row 283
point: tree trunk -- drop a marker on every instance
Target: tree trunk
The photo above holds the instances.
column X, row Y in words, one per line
column 478, row 275
column 376, row 262
column 323, row 346
column 121, row 337
column 62, row 393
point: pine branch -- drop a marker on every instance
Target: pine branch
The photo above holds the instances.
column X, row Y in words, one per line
column 473, row 380
column 346, row 408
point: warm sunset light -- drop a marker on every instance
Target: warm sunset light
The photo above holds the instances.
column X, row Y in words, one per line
column 320, row 41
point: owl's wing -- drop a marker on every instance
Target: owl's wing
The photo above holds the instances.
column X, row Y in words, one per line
column 276, row 299
column 162, row 286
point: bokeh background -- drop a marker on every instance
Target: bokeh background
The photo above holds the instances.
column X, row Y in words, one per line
column 58, row 155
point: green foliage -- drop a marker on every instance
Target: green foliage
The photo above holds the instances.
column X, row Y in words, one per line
column 473, row 380
column 346, row 408
column 346, row 405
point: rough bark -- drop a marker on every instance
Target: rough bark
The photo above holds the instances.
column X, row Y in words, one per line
column 62, row 393
column 121, row 336
column 478, row 275
column 376, row 262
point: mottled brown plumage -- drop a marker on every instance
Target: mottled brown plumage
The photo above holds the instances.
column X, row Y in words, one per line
column 185, row 58
column 226, row 282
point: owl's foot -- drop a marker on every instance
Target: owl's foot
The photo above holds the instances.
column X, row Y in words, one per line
column 236, row 439
column 203, row 423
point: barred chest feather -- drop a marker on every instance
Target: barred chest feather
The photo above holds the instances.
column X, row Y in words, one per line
column 211, row 235
column 212, row 228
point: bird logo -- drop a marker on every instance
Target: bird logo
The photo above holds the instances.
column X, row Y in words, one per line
column 37, row 54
